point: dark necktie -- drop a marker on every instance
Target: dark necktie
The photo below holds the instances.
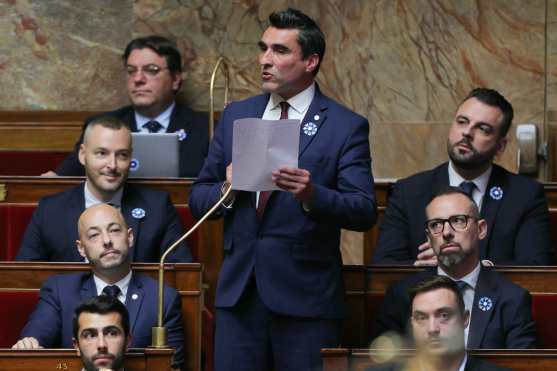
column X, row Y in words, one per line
column 467, row 187
column 461, row 286
column 264, row 195
column 112, row 290
column 153, row 126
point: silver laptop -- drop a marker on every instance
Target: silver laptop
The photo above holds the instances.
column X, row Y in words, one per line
column 155, row 155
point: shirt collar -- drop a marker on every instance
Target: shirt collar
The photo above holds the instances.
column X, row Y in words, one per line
column 471, row 278
column 123, row 284
column 462, row 366
column 481, row 182
column 300, row 102
column 163, row 118
column 91, row 200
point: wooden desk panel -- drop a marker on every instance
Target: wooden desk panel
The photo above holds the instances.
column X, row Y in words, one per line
column 148, row 359
column 341, row 359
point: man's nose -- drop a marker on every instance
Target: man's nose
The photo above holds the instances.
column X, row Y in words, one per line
column 264, row 57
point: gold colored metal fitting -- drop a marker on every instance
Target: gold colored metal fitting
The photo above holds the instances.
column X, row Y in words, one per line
column 158, row 335
column 221, row 63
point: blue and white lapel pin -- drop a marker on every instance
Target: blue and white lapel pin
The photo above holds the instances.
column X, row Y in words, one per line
column 134, row 164
column 138, row 213
column 310, row 128
column 496, row 193
column 485, row 304
column 182, row 135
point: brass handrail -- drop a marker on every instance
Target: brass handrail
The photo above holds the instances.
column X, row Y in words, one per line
column 221, row 63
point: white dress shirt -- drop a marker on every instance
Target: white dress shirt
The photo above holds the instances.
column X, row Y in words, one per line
column 468, row 293
column 163, row 118
column 123, row 284
column 91, row 200
column 480, row 182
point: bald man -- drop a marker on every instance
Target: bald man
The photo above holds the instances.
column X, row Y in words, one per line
column 107, row 242
column 106, row 156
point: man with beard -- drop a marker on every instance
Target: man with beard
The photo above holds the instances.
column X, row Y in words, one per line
column 438, row 320
column 514, row 207
column 153, row 67
column 500, row 311
column 101, row 330
column 106, row 241
column 106, row 154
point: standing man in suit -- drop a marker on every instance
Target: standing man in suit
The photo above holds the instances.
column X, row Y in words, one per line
column 101, row 333
column 154, row 75
column 500, row 311
column 280, row 292
column 106, row 241
column 105, row 153
column 513, row 206
column 438, row 318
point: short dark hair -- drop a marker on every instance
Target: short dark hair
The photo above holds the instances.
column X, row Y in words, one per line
column 310, row 36
column 102, row 304
column 160, row 45
column 434, row 283
column 449, row 190
column 108, row 122
column 493, row 98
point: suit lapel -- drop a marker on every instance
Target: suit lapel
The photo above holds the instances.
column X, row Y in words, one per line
column 76, row 206
column 483, row 307
column 313, row 120
column 134, row 299
column 134, row 212
column 490, row 205
column 88, row 288
column 129, row 118
column 179, row 119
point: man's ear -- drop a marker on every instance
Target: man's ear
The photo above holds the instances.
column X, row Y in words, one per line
column 82, row 154
column 80, row 248
column 76, row 346
column 482, row 229
column 501, row 145
column 128, row 342
column 130, row 238
column 312, row 62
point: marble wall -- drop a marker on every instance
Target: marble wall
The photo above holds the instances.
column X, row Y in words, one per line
column 405, row 64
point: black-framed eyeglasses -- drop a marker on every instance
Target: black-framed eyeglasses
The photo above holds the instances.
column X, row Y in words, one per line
column 458, row 223
column 150, row 70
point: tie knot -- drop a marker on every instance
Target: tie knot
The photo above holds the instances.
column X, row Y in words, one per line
column 153, row 126
column 461, row 285
column 284, row 110
column 112, row 290
column 467, row 187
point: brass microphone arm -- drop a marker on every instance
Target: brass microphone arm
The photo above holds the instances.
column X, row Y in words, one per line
column 221, row 63
column 158, row 333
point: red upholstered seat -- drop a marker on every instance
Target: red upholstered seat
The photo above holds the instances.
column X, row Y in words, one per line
column 29, row 163
column 544, row 307
column 13, row 222
column 16, row 306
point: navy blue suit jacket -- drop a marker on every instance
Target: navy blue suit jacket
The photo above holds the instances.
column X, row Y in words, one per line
column 52, row 232
column 507, row 324
column 518, row 224
column 51, row 321
column 193, row 148
column 294, row 254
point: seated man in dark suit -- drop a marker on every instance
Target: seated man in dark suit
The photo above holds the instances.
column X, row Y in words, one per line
column 438, row 318
column 106, row 154
column 154, row 69
column 513, row 206
column 101, row 333
column 500, row 310
column 107, row 243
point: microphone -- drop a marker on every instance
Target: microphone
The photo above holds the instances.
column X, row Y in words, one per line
column 158, row 333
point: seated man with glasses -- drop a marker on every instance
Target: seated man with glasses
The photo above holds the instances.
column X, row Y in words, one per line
column 500, row 310
column 153, row 67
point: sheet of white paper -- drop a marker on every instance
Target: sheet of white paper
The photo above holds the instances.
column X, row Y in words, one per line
column 259, row 147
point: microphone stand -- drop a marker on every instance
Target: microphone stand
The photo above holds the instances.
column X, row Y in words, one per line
column 158, row 333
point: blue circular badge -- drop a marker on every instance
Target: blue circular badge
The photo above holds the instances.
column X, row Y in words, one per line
column 485, row 304
column 182, row 134
column 134, row 164
column 496, row 193
column 310, row 129
column 138, row 213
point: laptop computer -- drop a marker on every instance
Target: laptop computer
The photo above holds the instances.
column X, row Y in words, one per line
column 155, row 155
